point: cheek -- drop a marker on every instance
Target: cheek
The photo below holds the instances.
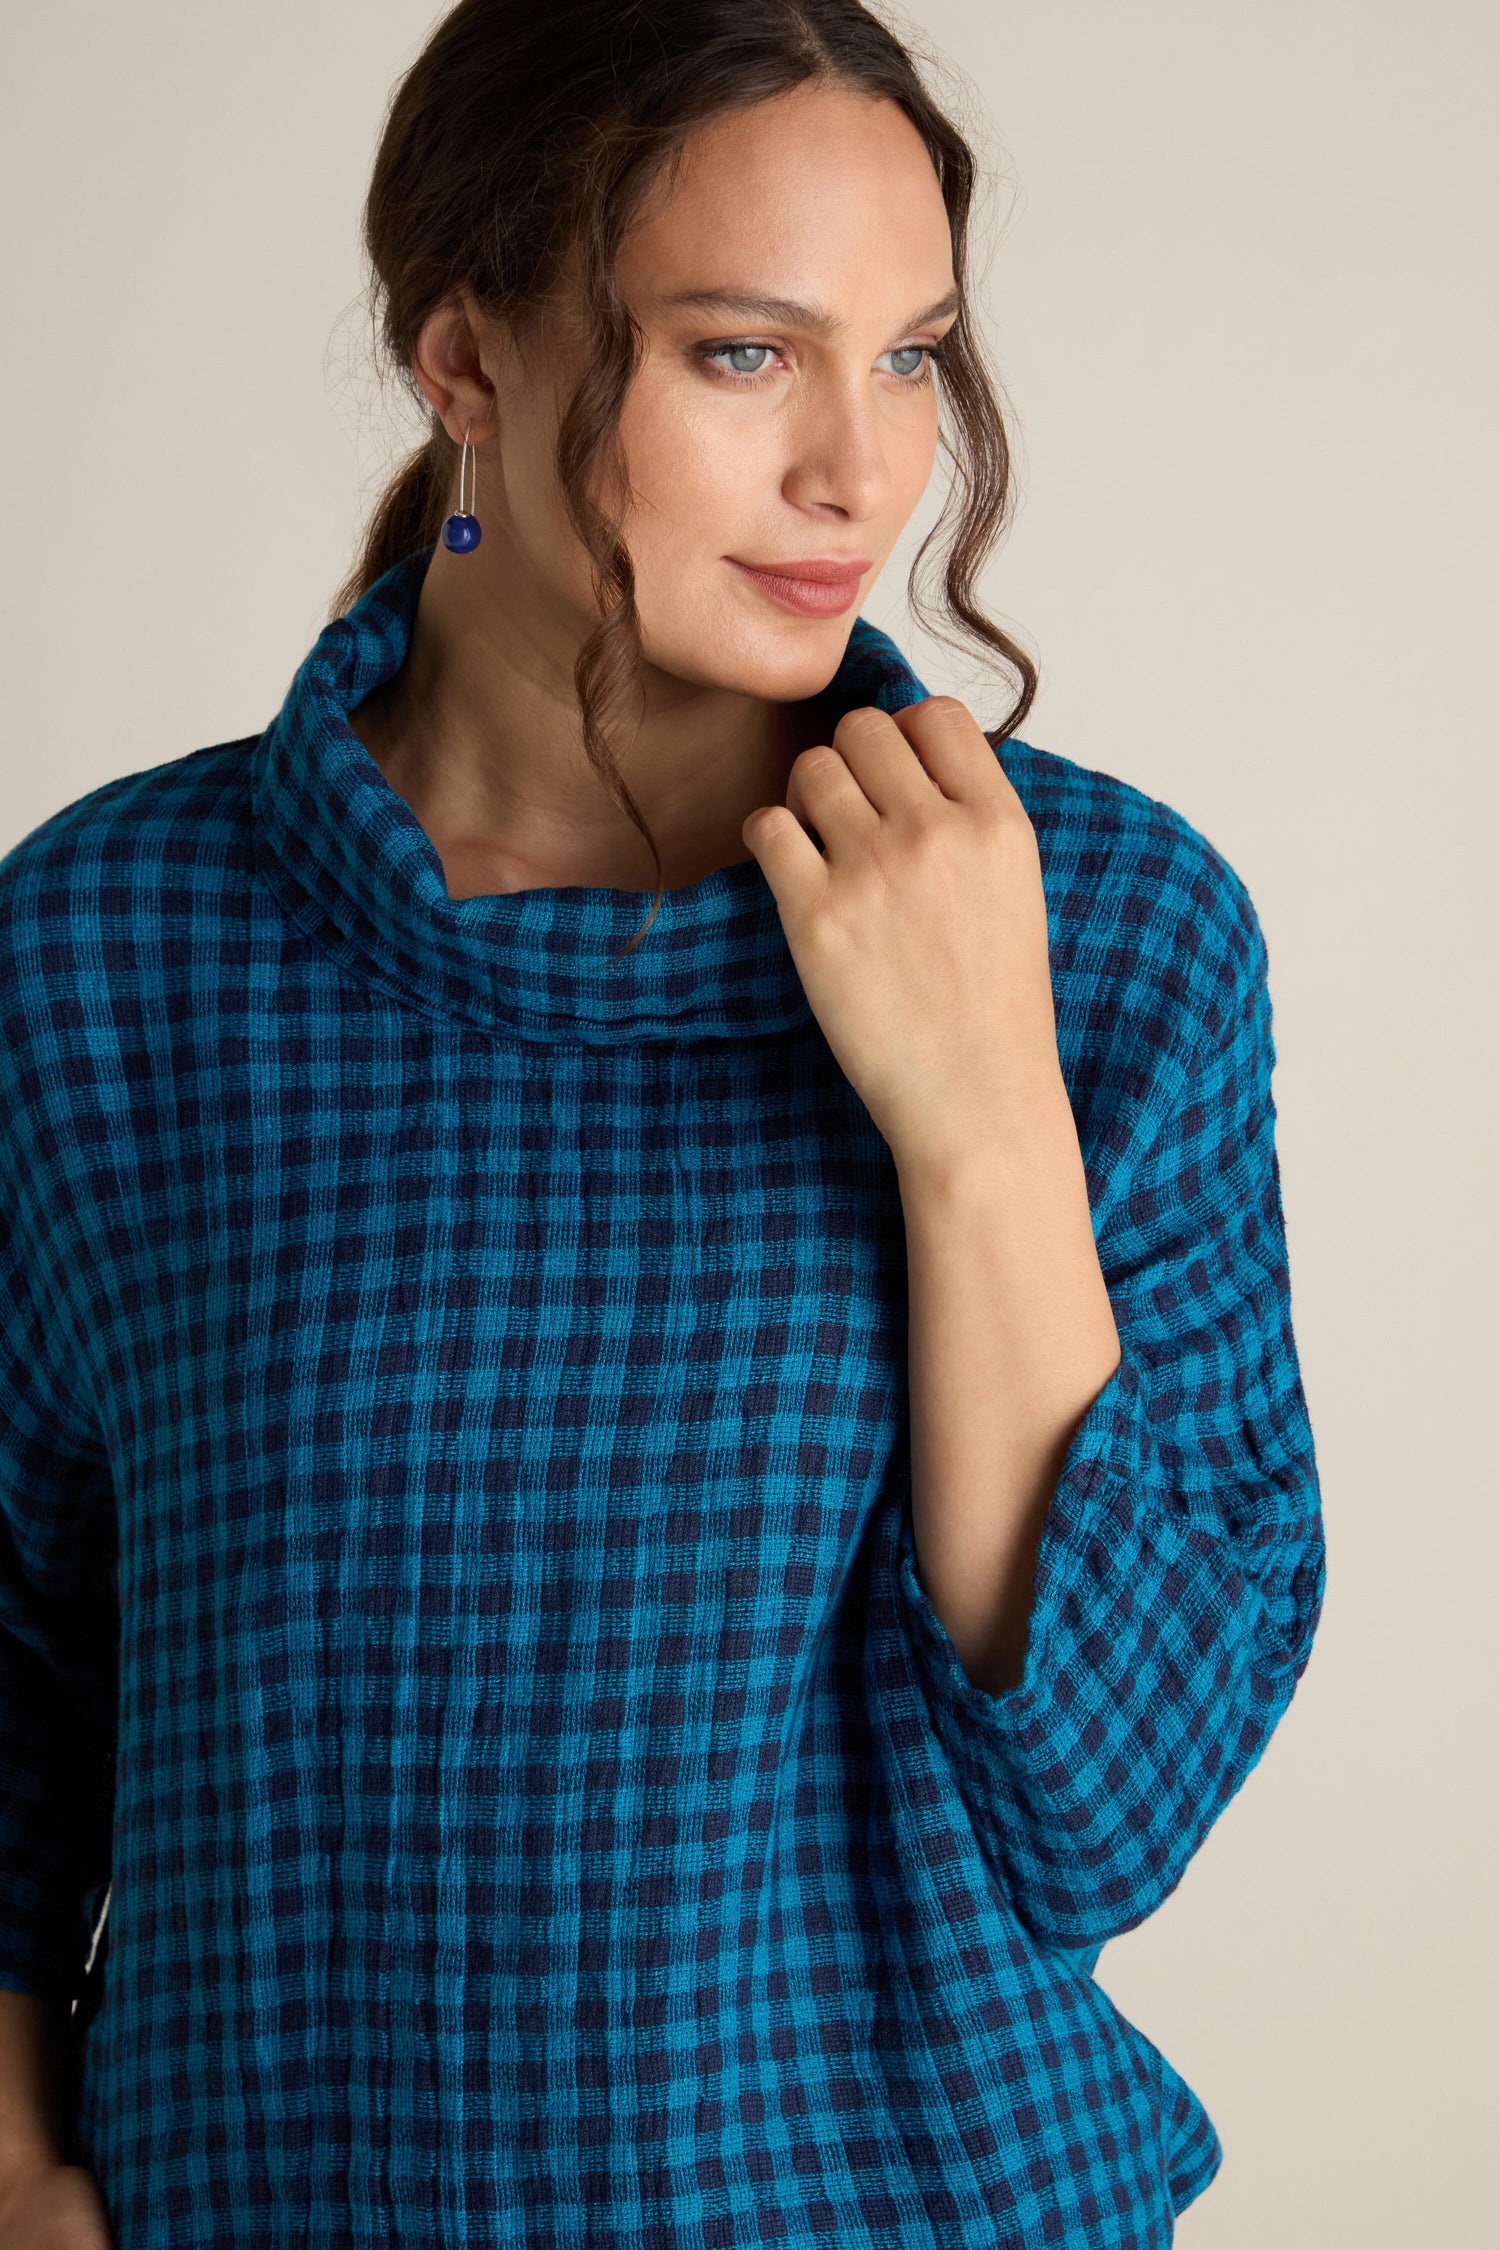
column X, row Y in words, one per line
column 695, row 477
column 923, row 454
column 911, row 444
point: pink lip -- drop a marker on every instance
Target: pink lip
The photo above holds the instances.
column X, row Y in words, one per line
column 814, row 586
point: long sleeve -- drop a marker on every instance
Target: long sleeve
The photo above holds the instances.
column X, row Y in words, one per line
column 1180, row 1574
column 57, row 1648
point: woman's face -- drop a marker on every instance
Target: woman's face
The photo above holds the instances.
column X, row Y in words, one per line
column 792, row 282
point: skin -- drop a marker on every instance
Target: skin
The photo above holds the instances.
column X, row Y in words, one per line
column 44, row 2204
column 828, row 198
column 919, row 929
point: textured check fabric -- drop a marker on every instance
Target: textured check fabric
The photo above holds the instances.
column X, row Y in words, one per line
column 456, row 1568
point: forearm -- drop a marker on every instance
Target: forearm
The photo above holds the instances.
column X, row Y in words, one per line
column 1011, row 1337
column 28, row 2133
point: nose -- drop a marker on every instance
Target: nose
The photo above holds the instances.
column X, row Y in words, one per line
column 839, row 463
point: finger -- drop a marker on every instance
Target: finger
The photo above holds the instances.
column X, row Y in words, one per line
column 820, row 788
column 881, row 758
column 788, row 858
column 953, row 748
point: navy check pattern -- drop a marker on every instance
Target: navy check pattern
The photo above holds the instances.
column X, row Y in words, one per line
column 456, row 1574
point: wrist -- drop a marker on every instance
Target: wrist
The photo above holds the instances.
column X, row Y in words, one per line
column 29, row 2037
column 1034, row 1140
column 27, row 2160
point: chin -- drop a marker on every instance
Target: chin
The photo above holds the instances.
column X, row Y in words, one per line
column 781, row 664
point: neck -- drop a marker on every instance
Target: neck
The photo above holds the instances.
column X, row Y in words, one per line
column 479, row 732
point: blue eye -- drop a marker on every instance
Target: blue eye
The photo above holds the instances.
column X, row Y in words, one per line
column 730, row 360
column 733, row 352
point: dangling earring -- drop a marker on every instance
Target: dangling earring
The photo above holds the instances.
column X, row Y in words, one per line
column 461, row 532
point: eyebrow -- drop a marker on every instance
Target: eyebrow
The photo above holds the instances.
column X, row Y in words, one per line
column 787, row 311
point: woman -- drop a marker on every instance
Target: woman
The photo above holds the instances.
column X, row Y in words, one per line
column 644, row 1277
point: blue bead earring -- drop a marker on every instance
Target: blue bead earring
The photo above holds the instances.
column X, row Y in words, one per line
column 461, row 533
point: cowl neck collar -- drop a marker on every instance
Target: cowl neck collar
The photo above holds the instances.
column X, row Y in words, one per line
column 354, row 867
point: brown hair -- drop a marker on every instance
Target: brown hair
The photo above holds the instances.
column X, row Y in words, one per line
column 517, row 148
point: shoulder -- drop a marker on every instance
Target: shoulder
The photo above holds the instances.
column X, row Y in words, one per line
column 99, row 852
column 96, row 894
column 1146, row 916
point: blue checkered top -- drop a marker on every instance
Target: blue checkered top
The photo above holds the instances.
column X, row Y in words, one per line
column 456, row 1572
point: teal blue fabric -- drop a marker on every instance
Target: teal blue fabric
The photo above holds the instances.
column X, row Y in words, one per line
column 457, row 1584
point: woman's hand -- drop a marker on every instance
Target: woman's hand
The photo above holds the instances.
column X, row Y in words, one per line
column 921, row 938
column 920, row 932
column 52, row 2207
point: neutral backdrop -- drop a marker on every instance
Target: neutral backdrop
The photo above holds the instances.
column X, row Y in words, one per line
column 1241, row 282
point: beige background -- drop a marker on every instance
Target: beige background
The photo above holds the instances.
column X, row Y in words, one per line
column 1245, row 302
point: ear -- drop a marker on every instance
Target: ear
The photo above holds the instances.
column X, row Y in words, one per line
column 448, row 361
